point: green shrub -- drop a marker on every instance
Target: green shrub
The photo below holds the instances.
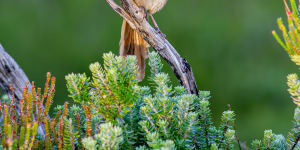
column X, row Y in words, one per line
column 155, row 117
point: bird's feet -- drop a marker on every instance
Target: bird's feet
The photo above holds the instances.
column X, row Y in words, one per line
column 161, row 34
column 156, row 27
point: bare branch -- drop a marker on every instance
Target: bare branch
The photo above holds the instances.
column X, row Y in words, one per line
column 295, row 142
column 11, row 74
column 137, row 19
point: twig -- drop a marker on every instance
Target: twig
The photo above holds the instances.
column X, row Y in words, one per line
column 223, row 135
column 296, row 142
column 244, row 146
column 11, row 75
column 234, row 128
column 136, row 18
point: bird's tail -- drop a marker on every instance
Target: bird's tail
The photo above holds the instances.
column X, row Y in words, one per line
column 133, row 44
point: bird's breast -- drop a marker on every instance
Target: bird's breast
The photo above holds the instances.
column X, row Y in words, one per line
column 152, row 6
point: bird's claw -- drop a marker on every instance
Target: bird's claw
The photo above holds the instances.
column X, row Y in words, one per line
column 161, row 34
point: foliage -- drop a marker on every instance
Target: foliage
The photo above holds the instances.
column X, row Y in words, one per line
column 110, row 137
column 111, row 89
column 19, row 128
column 114, row 112
column 156, row 117
column 291, row 43
column 28, row 125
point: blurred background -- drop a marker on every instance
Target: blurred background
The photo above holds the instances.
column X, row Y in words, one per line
column 228, row 44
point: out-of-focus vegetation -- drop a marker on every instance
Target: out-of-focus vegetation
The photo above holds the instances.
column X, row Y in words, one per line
column 228, row 44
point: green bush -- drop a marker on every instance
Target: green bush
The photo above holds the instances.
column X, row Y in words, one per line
column 156, row 117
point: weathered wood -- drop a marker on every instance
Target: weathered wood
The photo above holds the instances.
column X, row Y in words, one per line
column 137, row 19
column 12, row 75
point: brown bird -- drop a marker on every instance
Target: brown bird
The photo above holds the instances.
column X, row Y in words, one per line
column 132, row 43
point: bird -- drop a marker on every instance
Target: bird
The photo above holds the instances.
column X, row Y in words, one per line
column 131, row 43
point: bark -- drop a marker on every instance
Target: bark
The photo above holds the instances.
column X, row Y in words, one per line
column 11, row 75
